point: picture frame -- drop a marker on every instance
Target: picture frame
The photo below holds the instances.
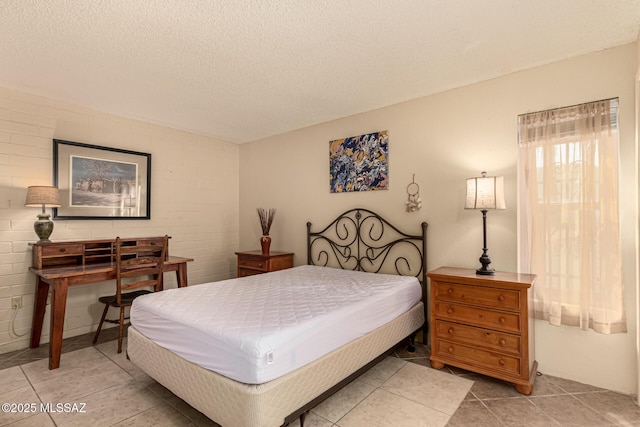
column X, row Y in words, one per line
column 101, row 182
column 359, row 163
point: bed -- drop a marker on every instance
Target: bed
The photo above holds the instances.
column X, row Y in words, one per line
column 278, row 344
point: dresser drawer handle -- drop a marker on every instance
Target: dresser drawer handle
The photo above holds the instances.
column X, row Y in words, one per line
column 501, row 362
column 63, row 250
column 502, row 320
column 450, row 291
column 501, row 298
column 450, row 349
column 502, row 341
column 450, row 331
column 449, row 310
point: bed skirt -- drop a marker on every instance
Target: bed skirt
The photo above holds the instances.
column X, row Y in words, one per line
column 234, row 404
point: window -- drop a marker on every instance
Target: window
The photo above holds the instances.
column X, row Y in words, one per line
column 568, row 203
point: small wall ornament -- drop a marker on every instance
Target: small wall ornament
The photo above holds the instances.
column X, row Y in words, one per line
column 413, row 190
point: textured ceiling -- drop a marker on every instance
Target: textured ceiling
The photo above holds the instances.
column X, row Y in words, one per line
column 241, row 70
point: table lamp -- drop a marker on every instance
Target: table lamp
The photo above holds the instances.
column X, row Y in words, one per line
column 484, row 193
column 43, row 196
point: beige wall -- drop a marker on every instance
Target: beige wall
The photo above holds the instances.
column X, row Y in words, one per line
column 194, row 199
column 444, row 139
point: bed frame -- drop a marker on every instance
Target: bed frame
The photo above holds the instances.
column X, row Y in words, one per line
column 362, row 240
column 358, row 239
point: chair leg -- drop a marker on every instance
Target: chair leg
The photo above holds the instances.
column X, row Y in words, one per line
column 104, row 315
column 120, row 329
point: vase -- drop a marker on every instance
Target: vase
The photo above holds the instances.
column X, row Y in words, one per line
column 265, row 243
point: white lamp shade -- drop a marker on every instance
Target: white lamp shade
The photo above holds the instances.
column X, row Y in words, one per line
column 485, row 192
column 40, row 195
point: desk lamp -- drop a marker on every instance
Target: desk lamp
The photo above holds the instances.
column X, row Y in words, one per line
column 43, row 196
column 484, row 193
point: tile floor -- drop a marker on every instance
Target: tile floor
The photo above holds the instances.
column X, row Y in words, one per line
column 120, row 394
column 111, row 391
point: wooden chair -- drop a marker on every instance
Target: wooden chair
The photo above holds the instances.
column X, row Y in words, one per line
column 139, row 264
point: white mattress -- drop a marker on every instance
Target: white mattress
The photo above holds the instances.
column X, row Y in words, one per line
column 258, row 328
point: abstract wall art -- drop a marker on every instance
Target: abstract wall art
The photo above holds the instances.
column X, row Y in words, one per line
column 359, row 163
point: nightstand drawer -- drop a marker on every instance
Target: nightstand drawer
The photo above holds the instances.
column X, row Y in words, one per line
column 256, row 264
column 490, row 297
column 501, row 320
column 478, row 337
column 476, row 356
column 244, row 272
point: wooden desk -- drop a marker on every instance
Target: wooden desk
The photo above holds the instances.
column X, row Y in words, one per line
column 67, row 264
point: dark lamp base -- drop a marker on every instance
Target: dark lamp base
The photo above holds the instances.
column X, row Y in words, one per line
column 487, row 272
column 485, row 261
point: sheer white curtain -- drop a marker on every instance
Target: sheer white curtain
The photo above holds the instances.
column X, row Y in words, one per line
column 569, row 227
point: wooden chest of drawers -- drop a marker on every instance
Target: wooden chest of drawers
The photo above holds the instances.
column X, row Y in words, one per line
column 255, row 262
column 483, row 324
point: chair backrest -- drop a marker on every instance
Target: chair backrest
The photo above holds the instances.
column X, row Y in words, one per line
column 139, row 263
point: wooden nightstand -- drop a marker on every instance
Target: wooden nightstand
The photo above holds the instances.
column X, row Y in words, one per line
column 482, row 324
column 254, row 262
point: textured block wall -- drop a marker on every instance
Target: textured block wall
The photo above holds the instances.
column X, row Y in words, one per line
column 194, row 199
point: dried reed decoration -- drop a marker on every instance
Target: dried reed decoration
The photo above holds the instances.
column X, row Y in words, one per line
column 266, row 218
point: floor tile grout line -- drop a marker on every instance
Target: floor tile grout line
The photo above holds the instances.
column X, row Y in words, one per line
column 492, row 413
column 356, row 405
column 566, row 394
column 167, row 402
column 113, row 361
column 513, row 398
column 105, row 355
column 26, row 377
column 320, row 416
column 85, row 395
column 175, row 406
column 542, row 411
column 422, row 404
column 604, row 415
column 18, row 354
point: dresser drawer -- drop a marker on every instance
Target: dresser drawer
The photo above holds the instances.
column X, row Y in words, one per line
column 478, row 337
column 504, row 299
column 256, row 264
column 500, row 320
column 478, row 357
column 64, row 249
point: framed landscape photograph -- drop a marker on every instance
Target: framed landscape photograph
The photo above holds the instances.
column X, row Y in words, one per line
column 101, row 182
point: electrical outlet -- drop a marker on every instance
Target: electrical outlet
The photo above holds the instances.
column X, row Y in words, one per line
column 16, row 303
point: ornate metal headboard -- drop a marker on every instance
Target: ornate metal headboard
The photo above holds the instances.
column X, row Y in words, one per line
column 360, row 239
